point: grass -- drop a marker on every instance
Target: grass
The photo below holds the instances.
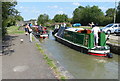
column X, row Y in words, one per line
column 51, row 63
column 86, row 27
column 14, row 30
column 33, row 38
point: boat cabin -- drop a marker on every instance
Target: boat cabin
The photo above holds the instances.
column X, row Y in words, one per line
column 83, row 37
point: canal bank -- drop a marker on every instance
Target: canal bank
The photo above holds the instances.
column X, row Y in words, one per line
column 114, row 48
column 114, row 44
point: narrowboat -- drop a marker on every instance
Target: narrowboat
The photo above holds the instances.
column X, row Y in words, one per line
column 83, row 40
column 40, row 31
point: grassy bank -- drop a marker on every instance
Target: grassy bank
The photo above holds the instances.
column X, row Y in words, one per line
column 14, row 30
column 51, row 63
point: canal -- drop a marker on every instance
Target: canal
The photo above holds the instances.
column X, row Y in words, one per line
column 79, row 65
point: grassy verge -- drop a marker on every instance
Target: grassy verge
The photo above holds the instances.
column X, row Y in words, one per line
column 33, row 38
column 85, row 27
column 14, row 30
column 51, row 63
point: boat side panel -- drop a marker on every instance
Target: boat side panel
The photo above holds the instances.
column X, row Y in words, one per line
column 78, row 48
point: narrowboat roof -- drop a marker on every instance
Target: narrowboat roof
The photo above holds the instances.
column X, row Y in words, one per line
column 74, row 29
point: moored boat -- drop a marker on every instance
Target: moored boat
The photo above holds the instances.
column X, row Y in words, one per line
column 40, row 31
column 83, row 40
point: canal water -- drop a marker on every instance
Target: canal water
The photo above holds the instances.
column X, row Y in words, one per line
column 79, row 65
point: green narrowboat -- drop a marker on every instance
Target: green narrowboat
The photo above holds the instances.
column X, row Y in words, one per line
column 83, row 41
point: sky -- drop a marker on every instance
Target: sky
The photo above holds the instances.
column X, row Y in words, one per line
column 31, row 10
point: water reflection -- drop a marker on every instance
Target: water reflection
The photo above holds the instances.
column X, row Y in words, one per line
column 81, row 66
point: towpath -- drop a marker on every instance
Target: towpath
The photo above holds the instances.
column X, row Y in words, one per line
column 24, row 61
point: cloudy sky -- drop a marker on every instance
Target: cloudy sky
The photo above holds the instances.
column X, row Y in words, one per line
column 31, row 10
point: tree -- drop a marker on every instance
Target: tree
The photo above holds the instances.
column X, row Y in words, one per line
column 8, row 13
column 60, row 18
column 42, row 19
column 110, row 15
column 85, row 15
column 77, row 14
column 110, row 12
column 19, row 18
column 118, row 13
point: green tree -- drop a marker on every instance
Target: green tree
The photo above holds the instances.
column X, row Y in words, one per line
column 118, row 13
column 19, row 18
column 77, row 14
column 42, row 19
column 85, row 15
column 109, row 15
column 60, row 18
column 110, row 12
column 8, row 15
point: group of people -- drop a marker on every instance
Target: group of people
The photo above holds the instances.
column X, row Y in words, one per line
column 28, row 30
column 95, row 30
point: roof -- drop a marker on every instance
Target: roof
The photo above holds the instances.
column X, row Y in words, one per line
column 74, row 29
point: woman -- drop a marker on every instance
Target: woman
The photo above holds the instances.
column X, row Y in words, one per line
column 26, row 29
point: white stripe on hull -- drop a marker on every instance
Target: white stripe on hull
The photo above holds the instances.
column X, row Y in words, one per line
column 99, row 51
column 43, row 35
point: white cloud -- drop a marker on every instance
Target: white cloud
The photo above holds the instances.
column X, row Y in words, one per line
column 76, row 3
column 103, row 8
column 60, row 12
column 55, row 6
column 21, row 6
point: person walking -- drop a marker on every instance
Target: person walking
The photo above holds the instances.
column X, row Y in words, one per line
column 95, row 31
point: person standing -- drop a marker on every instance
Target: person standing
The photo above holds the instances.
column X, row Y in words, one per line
column 95, row 31
column 64, row 24
column 30, row 25
column 26, row 29
column 92, row 24
column 30, row 34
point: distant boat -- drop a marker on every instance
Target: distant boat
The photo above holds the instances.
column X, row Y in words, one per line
column 83, row 41
column 40, row 31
